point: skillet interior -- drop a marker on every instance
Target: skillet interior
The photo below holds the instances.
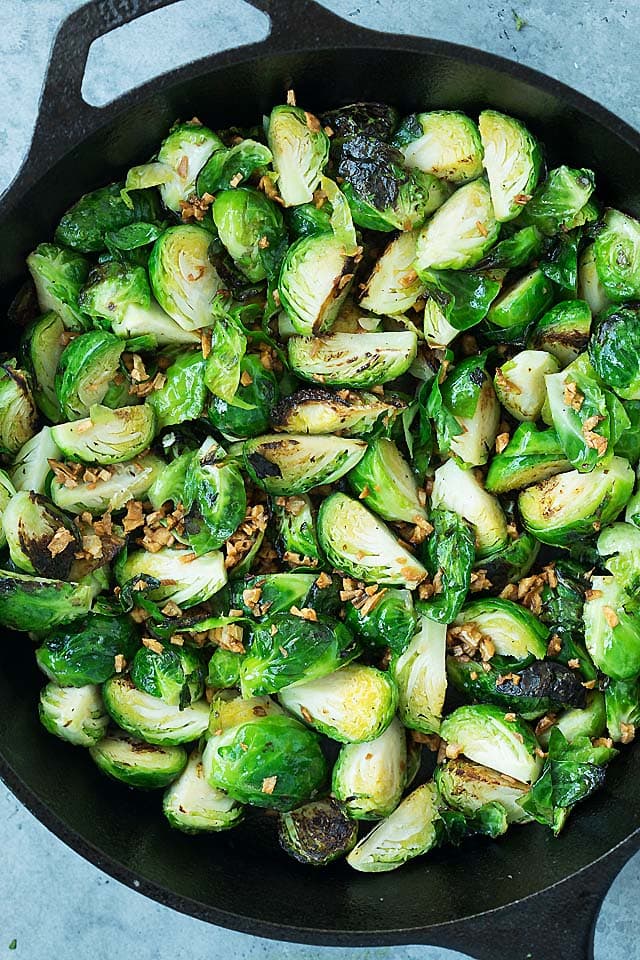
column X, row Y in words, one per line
column 237, row 879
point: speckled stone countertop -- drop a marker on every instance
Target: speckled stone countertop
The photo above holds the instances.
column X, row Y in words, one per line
column 52, row 903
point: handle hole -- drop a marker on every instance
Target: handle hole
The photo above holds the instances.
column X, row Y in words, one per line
column 164, row 40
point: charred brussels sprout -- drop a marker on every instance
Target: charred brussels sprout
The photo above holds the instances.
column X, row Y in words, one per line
column 74, row 714
column 317, row 833
column 468, row 786
column 248, row 223
column 314, row 280
column 563, row 331
column 85, row 651
column 86, row 371
column 531, row 456
column 41, row 346
column 512, row 159
column 283, row 465
column 460, row 232
column 384, row 482
column 59, row 275
column 369, row 778
column 259, row 392
column 36, row 604
column 520, row 383
column 344, row 360
column 612, row 629
column 511, row 563
column 300, row 149
column 84, row 226
column 345, row 413
column 150, row 717
column 393, row 285
column 617, row 256
column 18, row 413
column 169, row 578
column 136, row 763
column 40, row 537
column 614, row 350
column 458, row 490
column 296, row 539
column 421, row 678
column 194, row 806
column 483, row 735
column 444, row 143
column 175, row 674
column 449, row 553
column 371, row 119
column 559, row 199
column 107, row 436
column 183, row 280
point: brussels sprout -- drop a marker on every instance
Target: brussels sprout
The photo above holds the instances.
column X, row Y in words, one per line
column 184, row 393
column 614, row 350
column 468, row 786
column 182, row 154
column 520, row 383
column 612, row 629
column 438, row 332
column 42, row 345
column 458, row 490
column 481, row 732
column 531, row 456
column 520, row 305
column 457, row 299
column 620, row 544
column 7, row 493
column 183, row 280
column 149, row 717
column 444, row 143
column 183, row 578
column 307, row 219
column 512, row 159
column 18, row 413
column 389, row 622
column 512, row 562
column 41, row 538
column 583, row 417
column 111, row 492
column 262, row 757
column 563, row 331
column 353, row 705
column 460, row 232
column 627, row 444
column 513, row 630
column 214, row 497
column 563, row 600
column 193, row 806
column 175, row 675
column 248, row 223
column 372, row 119
column 278, row 592
column 37, row 604
column 287, row 650
column 560, row 262
column 587, row 721
column 84, row 225
column 617, row 256
column 296, row 540
column 622, row 701
column 260, row 393
column 449, row 554
column 300, row 149
column 85, row 652
column 58, row 275
column 361, row 546
column 346, row 413
column 107, row 436
column 384, row 482
column 317, row 833
column 410, row 831
column 558, row 199
column 421, row 678
column 224, row 669
column 590, row 288
column 369, row 778
column 314, row 280
column 85, row 372
column 230, row 167
column 74, row 714
column 344, row 360
column 393, row 286
column 516, row 250
column 466, row 412
column 283, row 465
column 136, row 763
column 569, row 506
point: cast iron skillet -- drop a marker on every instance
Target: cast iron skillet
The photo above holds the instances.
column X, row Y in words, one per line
column 527, row 895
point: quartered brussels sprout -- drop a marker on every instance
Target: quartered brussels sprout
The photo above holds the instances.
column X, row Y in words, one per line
column 617, row 256
column 314, row 280
column 483, row 734
column 86, row 371
column 383, row 481
column 174, row 674
column 390, row 621
column 136, row 763
column 40, row 537
column 566, row 507
column 460, row 232
column 459, row 490
column 370, row 778
column 86, row 225
column 558, row 200
column 300, row 149
column 74, row 714
column 183, row 279
column 107, row 436
column 296, row 539
column 294, row 463
column 151, row 718
column 531, row 456
column 317, row 833
column 421, row 678
column 248, row 223
column 85, row 651
column 444, row 143
column 344, row 360
column 37, row 604
column 41, row 346
column 174, row 574
column 468, row 786
column 563, row 331
column 345, row 413
column 58, row 276
column 517, row 307
column 353, row 705
column 109, row 490
column 612, row 629
column 613, row 350
column 590, row 288
column 194, row 806
column 520, row 383
column 512, row 159
column 18, row 413
column 361, row 546
column 410, row 831
column 393, row 286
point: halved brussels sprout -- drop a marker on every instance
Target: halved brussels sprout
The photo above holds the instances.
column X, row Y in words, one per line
column 183, row 280
column 520, row 383
column 183, row 153
column 283, row 465
column 620, row 545
column 569, row 506
column 393, row 286
column 174, row 674
column 136, row 763
column 36, row 604
column 85, row 372
column 468, row 786
column 194, row 806
column 58, row 275
column 563, row 331
column 458, row 490
column 384, row 482
column 511, row 314
column 438, row 332
column 7, row 493
column 107, row 436
column 614, row 349
column 260, row 392
column 110, row 492
column 345, row 360
column 589, row 286
column 531, row 456
column 300, row 149
column 622, row 700
column 390, row 622
column 353, row 705
column 512, row 159
column 314, row 280
column 87, row 223
column 248, row 223
column 184, row 393
column 214, row 497
column 445, row 143
column 421, row 677
column 410, row 831
column 85, row 651
column 587, row 721
column 360, row 545
column 18, row 413
column 612, row 629
column 181, row 576
column 585, row 417
column 558, row 200
column 74, row 714
column 278, row 592
column 369, row 778
column 512, row 562
column 41, row 538
column 345, row 413
column 617, row 256
column 317, row 833
column 150, row 718
column 513, row 630
column 42, row 345
column 460, row 232
column 483, row 734
column 296, row 540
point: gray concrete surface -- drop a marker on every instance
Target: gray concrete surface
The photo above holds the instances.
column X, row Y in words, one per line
column 52, row 903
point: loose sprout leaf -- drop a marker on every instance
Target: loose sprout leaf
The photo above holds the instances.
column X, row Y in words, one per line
column 85, row 225
column 450, row 551
column 463, row 298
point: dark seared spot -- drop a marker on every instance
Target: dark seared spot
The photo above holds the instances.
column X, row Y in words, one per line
column 263, row 467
